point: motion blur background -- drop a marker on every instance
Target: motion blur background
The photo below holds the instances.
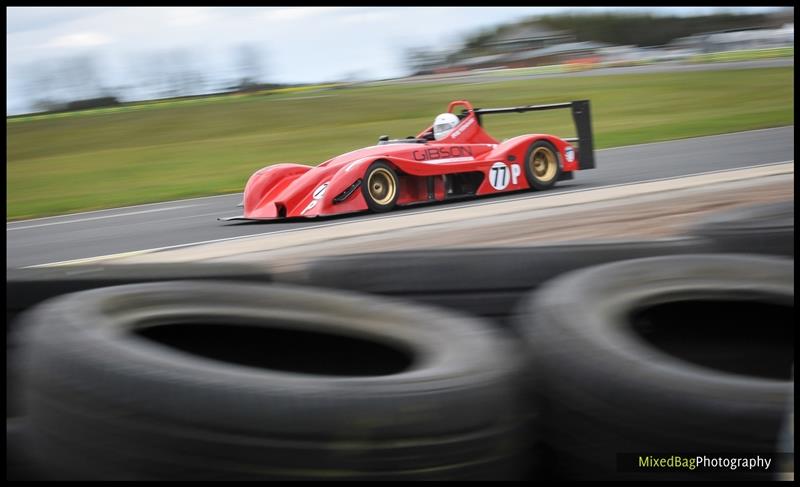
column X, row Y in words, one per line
column 148, row 375
column 114, row 106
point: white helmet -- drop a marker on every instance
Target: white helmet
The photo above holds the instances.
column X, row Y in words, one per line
column 443, row 125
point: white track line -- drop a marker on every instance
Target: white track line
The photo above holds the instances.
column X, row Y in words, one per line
column 323, row 225
column 232, row 194
column 99, row 217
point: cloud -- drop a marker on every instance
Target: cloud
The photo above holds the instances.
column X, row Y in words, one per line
column 297, row 13
column 23, row 19
column 82, row 39
column 360, row 18
column 188, row 16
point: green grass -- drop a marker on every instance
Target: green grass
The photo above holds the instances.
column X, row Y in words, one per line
column 117, row 157
column 743, row 55
column 168, row 103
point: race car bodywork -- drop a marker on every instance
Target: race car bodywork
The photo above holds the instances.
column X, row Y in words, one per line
column 467, row 162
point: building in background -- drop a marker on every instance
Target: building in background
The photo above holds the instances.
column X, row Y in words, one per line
column 533, row 44
column 738, row 39
column 527, row 37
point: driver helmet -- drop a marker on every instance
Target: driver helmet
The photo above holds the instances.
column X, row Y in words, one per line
column 443, row 125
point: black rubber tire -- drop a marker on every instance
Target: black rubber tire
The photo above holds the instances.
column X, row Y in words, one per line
column 486, row 282
column 533, row 181
column 374, row 205
column 758, row 229
column 106, row 403
column 28, row 287
column 609, row 382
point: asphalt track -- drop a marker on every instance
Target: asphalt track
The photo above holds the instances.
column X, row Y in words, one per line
column 183, row 222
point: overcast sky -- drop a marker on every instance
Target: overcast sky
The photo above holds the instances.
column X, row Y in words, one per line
column 299, row 44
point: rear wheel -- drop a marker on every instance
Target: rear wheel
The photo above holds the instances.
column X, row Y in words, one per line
column 542, row 167
column 380, row 187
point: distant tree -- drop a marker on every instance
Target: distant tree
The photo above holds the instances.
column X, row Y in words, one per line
column 784, row 15
column 103, row 101
column 41, row 85
column 647, row 29
column 623, row 28
column 47, row 105
column 250, row 65
column 184, row 76
column 51, row 84
column 478, row 40
column 421, row 60
column 79, row 77
column 169, row 73
column 144, row 74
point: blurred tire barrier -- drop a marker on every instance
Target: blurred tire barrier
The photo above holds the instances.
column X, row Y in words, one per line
column 28, row 287
column 757, row 229
column 19, row 465
column 663, row 355
column 486, row 282
column 786, row 440
column 221, row 380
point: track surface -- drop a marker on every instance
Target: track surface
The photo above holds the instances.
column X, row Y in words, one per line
column 84, row 235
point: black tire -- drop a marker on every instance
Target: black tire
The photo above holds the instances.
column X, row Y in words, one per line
column 758, row 229
column 227, row 381
column 552, row 167
column 627, row 361
column 380, row 187
column 486, row 282
column 27, row 287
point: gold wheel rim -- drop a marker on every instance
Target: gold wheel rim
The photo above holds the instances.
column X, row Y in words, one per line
column 382, row 186
column 544, row 164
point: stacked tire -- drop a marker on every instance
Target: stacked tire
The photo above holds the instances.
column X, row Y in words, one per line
column 184, row 380
column 26, row 288
column 682, row 355
column 392, row 366
column 755, row 229
column 485, row 282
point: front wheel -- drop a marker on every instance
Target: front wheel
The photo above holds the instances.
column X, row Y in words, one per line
column 381, row 187
column 542, row 167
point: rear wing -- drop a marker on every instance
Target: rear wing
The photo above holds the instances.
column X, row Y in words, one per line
column 580, row 115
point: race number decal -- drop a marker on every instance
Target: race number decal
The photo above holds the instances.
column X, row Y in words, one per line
column 319, row 192
column 515, row 172
column 499, row 176
column 569, row 152
column 311, row 205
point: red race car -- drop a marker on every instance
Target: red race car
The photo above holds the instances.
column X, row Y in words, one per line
column 453, row 158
